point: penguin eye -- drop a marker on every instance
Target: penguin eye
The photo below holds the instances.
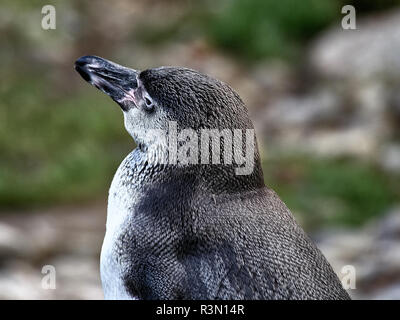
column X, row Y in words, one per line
column 149, row 103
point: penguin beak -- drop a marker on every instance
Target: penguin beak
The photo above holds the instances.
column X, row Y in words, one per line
column 114, row 80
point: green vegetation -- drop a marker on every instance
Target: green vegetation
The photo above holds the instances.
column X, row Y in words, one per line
column 56, row 147
column 256, row 29
column 332, row 191
column 251, row 29
column 263, row 28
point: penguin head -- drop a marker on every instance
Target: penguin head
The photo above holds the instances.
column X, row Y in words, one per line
column 151, row 98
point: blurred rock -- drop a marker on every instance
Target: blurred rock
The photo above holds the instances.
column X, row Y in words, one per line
column 351, row 106
column 369, row 51
column 389, row 226
column 390, row 293
column 67, row 238
column 12, row 242
column 374, row 251
column 276, row 78
column 352, row 141
column 19, row 280
column 77, row 278
column 292, row 112
column 318, row 123
column 390, row 158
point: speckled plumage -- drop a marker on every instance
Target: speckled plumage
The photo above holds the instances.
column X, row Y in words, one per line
column 200, row 231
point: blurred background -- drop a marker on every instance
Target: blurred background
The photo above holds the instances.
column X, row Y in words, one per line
column 325, row 102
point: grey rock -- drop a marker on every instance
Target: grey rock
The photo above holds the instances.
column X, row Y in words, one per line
column 390, row 293
column 374, row 251
column 390, row 158
column 370, row 50
column 389, row 226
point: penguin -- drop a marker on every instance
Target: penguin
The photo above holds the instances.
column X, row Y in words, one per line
column 190, row 230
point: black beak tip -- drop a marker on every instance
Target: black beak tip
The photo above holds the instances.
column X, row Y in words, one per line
column 81, row 66
column 84, row 60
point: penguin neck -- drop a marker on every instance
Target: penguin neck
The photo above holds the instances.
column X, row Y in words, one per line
column 153, row 154
column 151, row 164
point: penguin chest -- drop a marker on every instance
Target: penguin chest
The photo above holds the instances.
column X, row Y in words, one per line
column 112, row 267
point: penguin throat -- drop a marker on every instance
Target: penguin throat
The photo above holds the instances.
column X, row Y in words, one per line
column 154, row 154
